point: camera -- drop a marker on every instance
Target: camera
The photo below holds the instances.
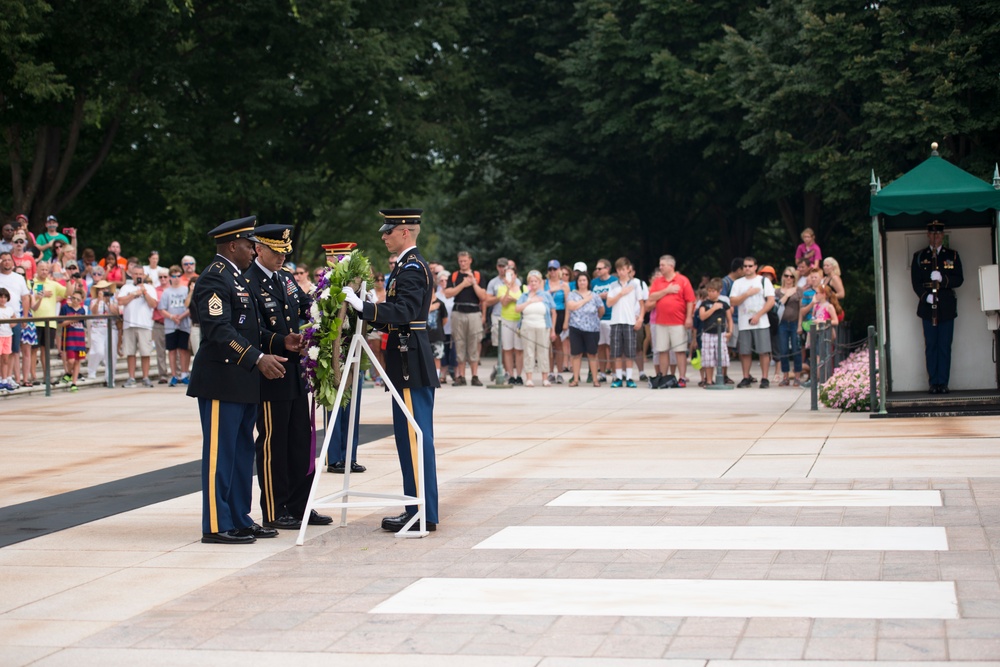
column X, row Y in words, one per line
column 106, row 293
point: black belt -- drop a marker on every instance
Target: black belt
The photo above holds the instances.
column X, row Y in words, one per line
column 466, row 308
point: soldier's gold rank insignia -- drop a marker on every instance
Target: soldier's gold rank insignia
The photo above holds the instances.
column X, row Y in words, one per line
column 214, row 305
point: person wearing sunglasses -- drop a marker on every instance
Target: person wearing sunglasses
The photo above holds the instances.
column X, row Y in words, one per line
column 301, row 274
column 755, row 297
column 789, row 299
column 20, row 255
column 189, row 272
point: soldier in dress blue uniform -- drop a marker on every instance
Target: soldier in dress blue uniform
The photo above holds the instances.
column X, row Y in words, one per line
column 284, row 428
column 935, row 273
column 409, row 360
column 225, row 378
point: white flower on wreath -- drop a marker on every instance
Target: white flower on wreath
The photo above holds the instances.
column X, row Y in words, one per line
column 325, row 294
column 314, row 353
column 314, row 312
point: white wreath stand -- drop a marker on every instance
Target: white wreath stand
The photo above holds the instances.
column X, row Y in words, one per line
column 340, row 499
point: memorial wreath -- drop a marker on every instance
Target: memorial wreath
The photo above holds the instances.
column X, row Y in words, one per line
column 327, row 335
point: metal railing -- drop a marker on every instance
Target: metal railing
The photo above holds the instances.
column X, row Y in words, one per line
column 43, row 342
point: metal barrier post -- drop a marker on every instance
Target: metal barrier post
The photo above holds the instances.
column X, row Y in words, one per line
column 108, row 366
column 814, row 369
column 46, row 363
column 872, row 372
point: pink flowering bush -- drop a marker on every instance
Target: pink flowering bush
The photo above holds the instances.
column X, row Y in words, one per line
column 849, row 388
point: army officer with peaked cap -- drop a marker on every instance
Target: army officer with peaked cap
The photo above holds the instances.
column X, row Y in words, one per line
column 225, row 378
column 409, row 362
column 935, row 274
column 284, row 428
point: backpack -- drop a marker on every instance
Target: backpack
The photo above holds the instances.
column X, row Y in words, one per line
column 454, row 277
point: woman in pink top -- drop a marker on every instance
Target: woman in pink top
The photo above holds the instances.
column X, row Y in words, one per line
column 808, row 250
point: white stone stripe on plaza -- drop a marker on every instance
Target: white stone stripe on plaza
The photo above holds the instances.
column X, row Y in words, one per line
column 749, row 498
column 812, row 538
column 677, row 597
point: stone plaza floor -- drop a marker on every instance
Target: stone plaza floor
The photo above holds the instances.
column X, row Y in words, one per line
column 580, row 527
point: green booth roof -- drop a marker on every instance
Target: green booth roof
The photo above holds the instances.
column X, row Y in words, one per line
column 934, row 186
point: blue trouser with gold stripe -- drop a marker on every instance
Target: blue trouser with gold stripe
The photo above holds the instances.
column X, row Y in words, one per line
column 937, row 350
column 284, row 445
column 420, row 402
column 339, row 437
column 226, row 464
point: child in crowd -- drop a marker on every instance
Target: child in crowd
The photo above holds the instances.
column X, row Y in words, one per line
column 176, row 326
column 813, row 282
column 6, row 342
column 823, row 309
column 701, row 294
column 808, row 250
column 74, row 338
column 820, row 310
column 627, row 299
column 716, row 318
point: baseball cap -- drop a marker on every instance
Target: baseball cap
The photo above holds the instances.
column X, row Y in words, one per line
column 580, row 266
column 554, row 264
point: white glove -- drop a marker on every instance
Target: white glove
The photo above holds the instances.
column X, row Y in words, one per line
column 353, row 298
column 371, row 297
column 930, row 299
column 936, row 276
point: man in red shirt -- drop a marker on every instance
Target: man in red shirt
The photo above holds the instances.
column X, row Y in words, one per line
column 672, row 296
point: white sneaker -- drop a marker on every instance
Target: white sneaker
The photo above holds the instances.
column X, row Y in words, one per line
column 146, row 382
column 129, row 383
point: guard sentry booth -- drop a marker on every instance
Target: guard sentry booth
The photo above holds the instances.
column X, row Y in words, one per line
column 900, row 212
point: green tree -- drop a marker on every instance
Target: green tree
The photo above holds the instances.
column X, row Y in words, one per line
column 72, row 74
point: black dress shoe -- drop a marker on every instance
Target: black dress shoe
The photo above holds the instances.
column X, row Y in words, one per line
column 394, row 524
column 227, row 537
column 286, row 522
column 258, row 531
column 934, row 389
column 943, row 389
column 357, row 467
column 337, row 467
column 317, row 519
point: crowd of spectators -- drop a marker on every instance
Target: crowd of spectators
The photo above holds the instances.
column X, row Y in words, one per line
column 542, row 327
column 146, row 308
